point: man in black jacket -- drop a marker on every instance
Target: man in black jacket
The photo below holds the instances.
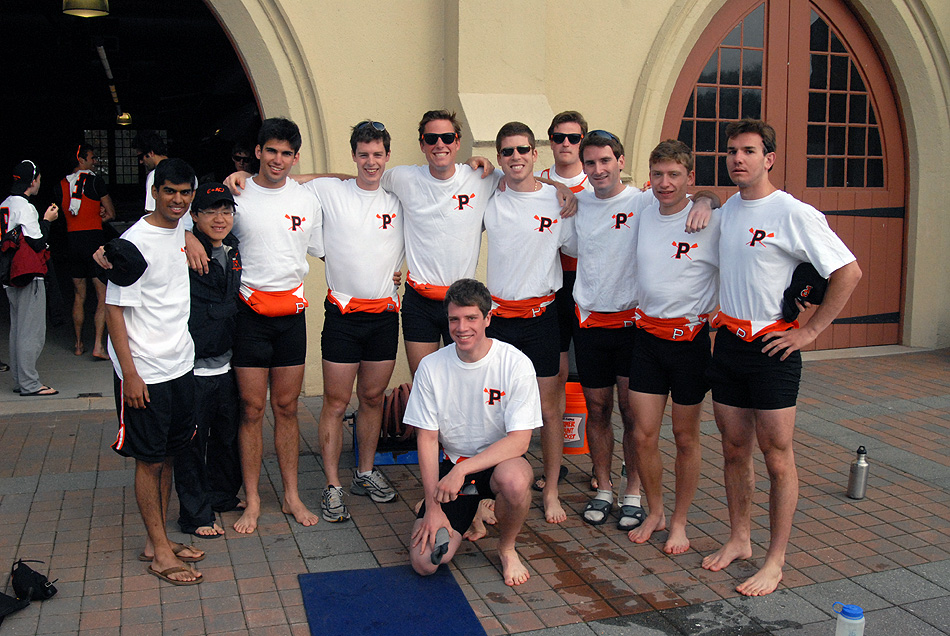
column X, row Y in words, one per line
column 208, row 474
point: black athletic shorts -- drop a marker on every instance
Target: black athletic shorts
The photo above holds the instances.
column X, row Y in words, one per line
column 266, row 342
column 164, row 427
column 358, row 335
column 536, row 337
column 461, row 510
column 564, row 301
column 81, row 246
column 742, row 376
column 602, row 354
column 677, row 368
column 423, row 319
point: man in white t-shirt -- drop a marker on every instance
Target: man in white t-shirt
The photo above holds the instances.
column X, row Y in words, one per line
column 153, row 356
column 362, row 244
column 756, row 366
column 678, row 284
column 151, row 150
column 277, row 224
column 479, row 398
column 444, row 204
column 525, row 231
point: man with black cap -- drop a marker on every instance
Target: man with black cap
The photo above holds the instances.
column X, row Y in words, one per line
column 208, row 472
column 153, row 356
column 28, row 296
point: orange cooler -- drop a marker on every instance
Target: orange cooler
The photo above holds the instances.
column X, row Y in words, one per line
column 575, row 421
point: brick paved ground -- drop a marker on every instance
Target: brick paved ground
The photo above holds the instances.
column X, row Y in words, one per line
column 67, row 499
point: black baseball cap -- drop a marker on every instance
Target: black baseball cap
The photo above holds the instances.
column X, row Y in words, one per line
column 208, row 195
column 23, row 176
column 807, row 286
column 128, row 264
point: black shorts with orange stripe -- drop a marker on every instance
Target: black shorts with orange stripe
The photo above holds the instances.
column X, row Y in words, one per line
column 744, row 377
column 164, row 427
column 424, row 319
column 359, row 335
column 668, row 367
column 535, row 337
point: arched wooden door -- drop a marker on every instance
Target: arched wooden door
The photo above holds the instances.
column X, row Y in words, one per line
column 810, row 70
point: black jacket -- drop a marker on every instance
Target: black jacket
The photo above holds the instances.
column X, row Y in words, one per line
column 214, row 299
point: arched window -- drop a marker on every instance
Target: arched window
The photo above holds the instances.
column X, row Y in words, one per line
column 809, row 69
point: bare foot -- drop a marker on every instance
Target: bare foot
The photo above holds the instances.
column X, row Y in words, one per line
column 553, row 511
column 728, row 553
column 178, row 571
column 247, row 523
column 183, row 551
column 300, row 512
column 100, row 354
column 79, row 349
column 762, row 582
column 214, row 530
column 653, row 523
column 677, row 542
column 484, row 514
column 512, row 568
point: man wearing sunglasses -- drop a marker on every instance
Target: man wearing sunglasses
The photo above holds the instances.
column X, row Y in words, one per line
column 605, row 294
column 444, row 204
column 361, row 242
column 525, row 232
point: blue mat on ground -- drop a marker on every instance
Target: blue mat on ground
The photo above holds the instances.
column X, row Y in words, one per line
column 393, row 600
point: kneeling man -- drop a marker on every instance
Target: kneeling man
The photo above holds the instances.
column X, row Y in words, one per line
column 479, row 398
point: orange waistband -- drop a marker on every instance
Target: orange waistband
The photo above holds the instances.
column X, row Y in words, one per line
column 275, row 303
column 432, row 292
column 677, row 329
column 743, row 328
column 568, row 263
column 368, row 305
column 607, row 320
column 527, row 308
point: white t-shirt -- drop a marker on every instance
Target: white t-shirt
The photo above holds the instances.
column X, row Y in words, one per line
column 19, row 211
column 443, row 225
column 605, row 245
column 156, row 307
column 677, row 273
column 576, row 183
column 361, row 239
column 277, row 228
column 525, row 231
column 473, row 405
column 763, row 241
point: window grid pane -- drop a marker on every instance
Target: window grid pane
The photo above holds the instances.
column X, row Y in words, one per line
column 848, row 124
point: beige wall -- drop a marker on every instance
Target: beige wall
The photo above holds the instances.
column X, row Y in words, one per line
column 327, row 65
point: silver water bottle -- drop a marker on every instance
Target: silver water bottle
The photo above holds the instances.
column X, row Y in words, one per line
column 858, row 479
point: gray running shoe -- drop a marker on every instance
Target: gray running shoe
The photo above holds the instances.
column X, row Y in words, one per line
column 374, row 485
column 332, row 506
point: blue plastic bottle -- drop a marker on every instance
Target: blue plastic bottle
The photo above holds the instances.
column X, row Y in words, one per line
column 850, row 620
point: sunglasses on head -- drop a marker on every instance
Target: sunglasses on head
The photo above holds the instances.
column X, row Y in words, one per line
column 604, row 134
column 574, row 138
column 433, row 138
column 375, row 124
column 522, row 150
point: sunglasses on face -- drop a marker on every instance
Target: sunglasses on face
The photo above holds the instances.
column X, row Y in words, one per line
column 573, row 138
column 375, row 124
column 432, row 139
column 604, row 134
column 240, row 159
column 522, row 150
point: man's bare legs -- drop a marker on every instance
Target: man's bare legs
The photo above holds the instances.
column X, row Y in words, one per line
column 99, row 320
column 600, row 434
column 416, row 351
column 285, row 384
column 152, row 491
column 372, row 379
column 773, row 429
column 629, row 447
column 252, row 387
column 79, row 313
column 649, row 416
column 552, row 445
column 511, row 483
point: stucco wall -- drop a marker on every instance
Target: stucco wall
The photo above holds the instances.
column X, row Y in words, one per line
column 328, row 65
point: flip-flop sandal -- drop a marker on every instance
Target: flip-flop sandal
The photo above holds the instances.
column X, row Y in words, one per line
column 216, row 535
column 165, row 575
column 44, row 391
column 4, row 367
column 597, row 506
column 178, row 549
column 630, row 517
column 540, row 482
